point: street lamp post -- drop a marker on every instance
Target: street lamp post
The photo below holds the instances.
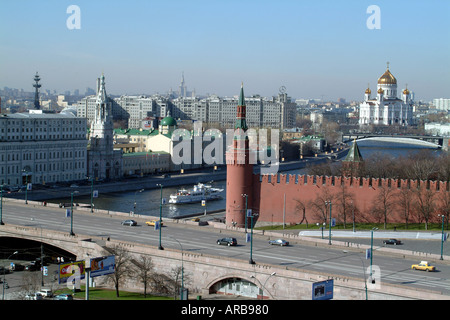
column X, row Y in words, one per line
column 371, row 250
column 71, row 213
column 251, row 241
column 92, row 193
column 134, row 206
column 4, row 274
column 1, row 205
column 160, row 217
column 245, row 213
column 263, row 286
column 182, row 270
column 26, row 186
column 442, row 237
column 329, row 228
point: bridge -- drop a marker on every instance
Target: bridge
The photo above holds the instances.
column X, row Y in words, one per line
column 211, row 274
column 420, row 140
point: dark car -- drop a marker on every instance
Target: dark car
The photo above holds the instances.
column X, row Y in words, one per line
column 392, row 241
column 129, row 223
column 227, row 241
column 33, row 266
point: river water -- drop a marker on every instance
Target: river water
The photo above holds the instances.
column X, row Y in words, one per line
column 148, row 201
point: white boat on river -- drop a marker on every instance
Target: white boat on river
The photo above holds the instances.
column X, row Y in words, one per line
column 198, row 193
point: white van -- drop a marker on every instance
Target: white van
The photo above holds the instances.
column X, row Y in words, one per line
column 46, row 293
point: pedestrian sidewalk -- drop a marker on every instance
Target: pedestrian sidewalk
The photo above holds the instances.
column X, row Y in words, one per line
column 377, row 234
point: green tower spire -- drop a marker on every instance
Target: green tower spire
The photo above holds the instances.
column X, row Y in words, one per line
column 240, row 117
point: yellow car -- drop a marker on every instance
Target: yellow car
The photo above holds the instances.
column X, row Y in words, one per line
column 423, row 265
column 152, row 223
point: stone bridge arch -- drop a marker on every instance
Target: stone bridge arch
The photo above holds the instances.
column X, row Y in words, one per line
column 237, row 284
column 80, row 247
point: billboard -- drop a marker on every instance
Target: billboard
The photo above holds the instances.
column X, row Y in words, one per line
column 69, row 272
column 102, row 266
column 323, row 290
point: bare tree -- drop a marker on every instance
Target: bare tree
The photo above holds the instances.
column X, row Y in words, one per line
column 143, row 269
column 383, row 203
column 424, row 203
column 301, row 207
column 178, row 277
column 344, row 203
column 319, row 205
column 444, row 197
column 405, row 203
column 122, row 258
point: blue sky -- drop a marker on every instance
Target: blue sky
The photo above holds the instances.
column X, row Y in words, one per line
column 313, row 48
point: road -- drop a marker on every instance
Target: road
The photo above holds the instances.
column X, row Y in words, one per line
column 202, row 239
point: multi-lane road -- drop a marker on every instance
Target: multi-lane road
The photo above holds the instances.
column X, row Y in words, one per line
column 202, row 239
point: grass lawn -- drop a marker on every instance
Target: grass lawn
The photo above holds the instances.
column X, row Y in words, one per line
column 108, row 294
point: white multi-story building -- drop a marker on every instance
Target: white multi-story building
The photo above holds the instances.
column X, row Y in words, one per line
column 386, row 108
column 40, row 148
column 274, row 112
column 442, row 104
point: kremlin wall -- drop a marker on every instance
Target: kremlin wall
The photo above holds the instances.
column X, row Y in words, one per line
column 282, row 198
column 293, row 199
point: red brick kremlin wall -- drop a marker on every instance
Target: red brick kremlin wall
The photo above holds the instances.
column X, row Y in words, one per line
column 270, row 191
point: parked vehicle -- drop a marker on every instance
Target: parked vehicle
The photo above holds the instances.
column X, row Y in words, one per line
column 279, row 242
column 33, row 266
column 34, row 296
column 392, row 241
column 46, row 293
column 227, row 241
column 63, row 296
column 129, row 223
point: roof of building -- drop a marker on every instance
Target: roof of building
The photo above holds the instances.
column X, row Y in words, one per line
column 168, row 121
column 135, row 132
column 387, row 78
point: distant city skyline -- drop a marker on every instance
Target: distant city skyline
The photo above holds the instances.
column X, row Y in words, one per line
column 316, row 49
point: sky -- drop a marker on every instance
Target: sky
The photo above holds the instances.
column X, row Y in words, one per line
column 316, row 49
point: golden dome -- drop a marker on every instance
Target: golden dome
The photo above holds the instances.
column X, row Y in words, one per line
column 368, row 91
column 387, row 78
column 406, row 91
column 380, row 91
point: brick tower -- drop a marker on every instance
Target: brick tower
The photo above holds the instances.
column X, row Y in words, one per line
column 239, row 170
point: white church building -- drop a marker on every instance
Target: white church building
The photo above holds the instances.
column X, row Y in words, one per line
column 103, row 161
column 386, row 108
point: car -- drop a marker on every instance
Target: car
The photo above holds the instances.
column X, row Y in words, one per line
column 46, row 293
column 423, row 265
column 63, row 296
column 129, row 223
column 392, row 241
column 33, row 266
column 34, row 296
column 227, row 241
column 279, row 242
column 153, row 222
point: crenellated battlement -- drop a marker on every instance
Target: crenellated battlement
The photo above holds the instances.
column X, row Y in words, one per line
column 355, row 182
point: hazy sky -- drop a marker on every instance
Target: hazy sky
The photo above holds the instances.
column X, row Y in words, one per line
column 313, row 48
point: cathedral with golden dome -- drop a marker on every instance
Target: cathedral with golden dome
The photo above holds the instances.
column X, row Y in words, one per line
column 386, row 108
